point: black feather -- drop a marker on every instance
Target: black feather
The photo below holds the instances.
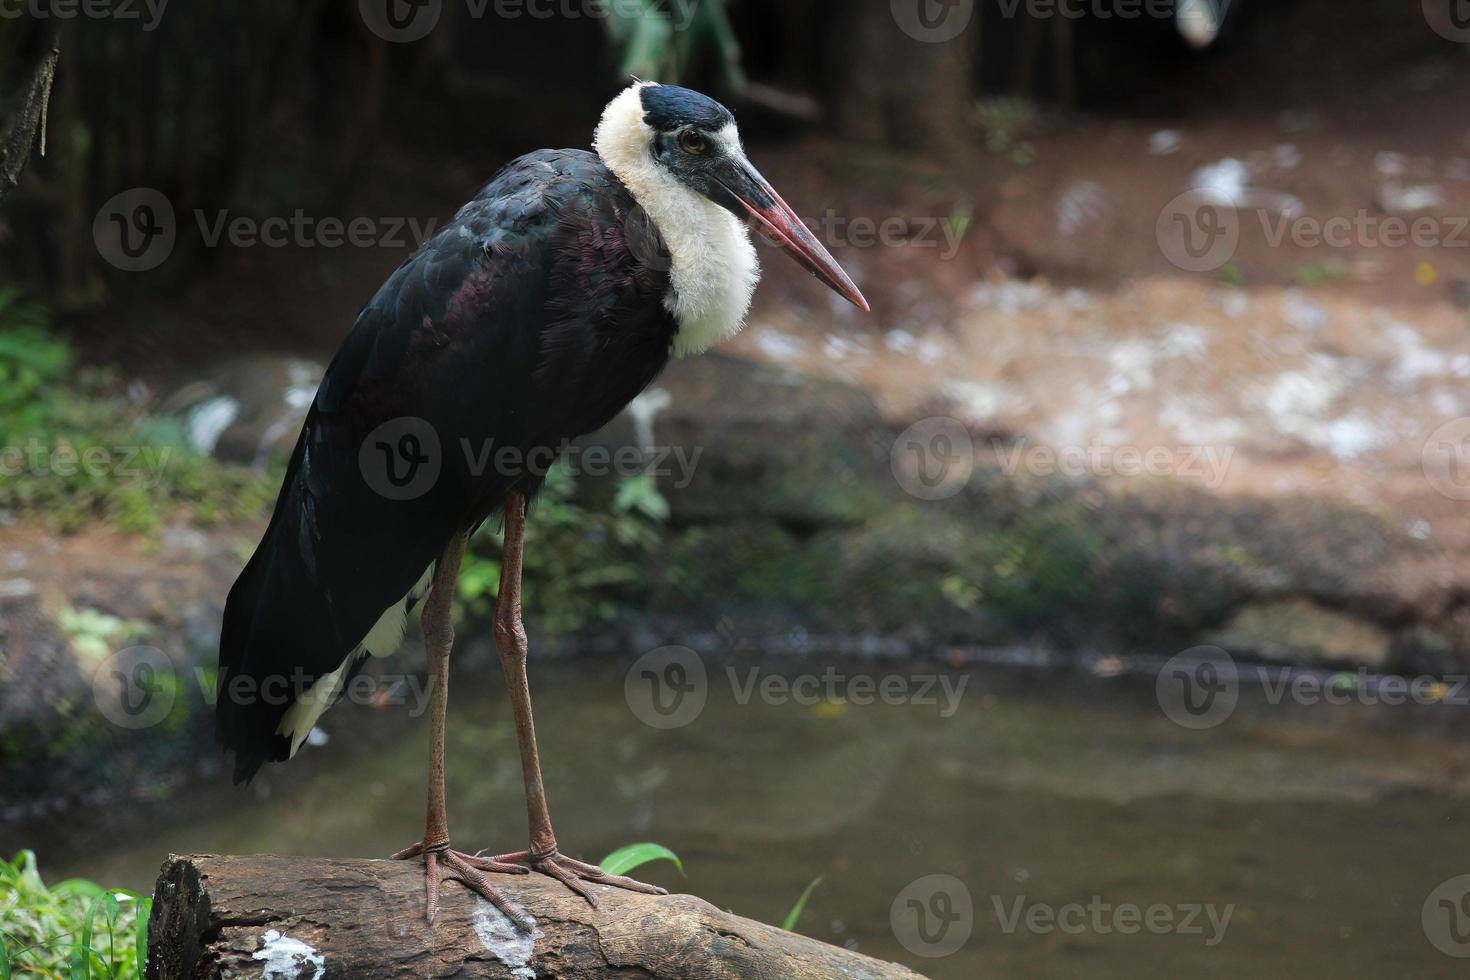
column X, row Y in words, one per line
column 669, row 107
column 527, row 321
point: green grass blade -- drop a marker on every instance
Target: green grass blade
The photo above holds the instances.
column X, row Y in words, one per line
column 109, row 910
column 790, row 924
column 625, row 859
column 145, row 911
column 81, row 954
column 4, row 958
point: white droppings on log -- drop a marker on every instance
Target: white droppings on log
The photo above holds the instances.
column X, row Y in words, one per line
column 286, row 958
column 504, row 941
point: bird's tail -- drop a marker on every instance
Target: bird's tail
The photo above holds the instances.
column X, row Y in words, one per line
column 243, row 724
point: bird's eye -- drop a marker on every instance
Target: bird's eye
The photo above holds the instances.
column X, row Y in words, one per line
column 693, row 141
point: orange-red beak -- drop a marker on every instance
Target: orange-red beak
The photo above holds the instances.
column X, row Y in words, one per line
column 767, row 209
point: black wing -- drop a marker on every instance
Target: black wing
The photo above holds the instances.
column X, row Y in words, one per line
column 528, row 320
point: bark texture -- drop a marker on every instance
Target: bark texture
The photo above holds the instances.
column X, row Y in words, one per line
column 216, row 916
column 26, row 125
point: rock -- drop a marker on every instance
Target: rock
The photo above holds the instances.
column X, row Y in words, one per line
column 1424, row 651
column 1300, row 631
column 247, row 409
column 761, row 443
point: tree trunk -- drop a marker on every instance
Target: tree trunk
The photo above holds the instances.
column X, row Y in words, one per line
column 26, row 127
column 907, row 84
column 272, row 917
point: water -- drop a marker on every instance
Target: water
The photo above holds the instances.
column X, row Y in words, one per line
column 1319, row 830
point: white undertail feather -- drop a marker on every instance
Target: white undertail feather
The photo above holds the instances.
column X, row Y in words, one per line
column 381, row 641
column 713, row 262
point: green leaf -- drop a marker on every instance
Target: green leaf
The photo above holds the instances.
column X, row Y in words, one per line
column 790, row 924
column 640, row 494
column 4, row 959
column 625, row 859
column 79, row 886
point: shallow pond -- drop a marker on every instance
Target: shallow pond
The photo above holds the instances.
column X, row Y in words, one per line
column 1090, row 835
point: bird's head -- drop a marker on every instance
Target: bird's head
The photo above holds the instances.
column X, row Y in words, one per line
column 653, row 134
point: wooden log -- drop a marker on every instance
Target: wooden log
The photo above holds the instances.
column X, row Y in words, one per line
column 216, row 916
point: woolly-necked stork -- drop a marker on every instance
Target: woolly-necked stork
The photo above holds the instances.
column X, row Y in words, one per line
column 549, row 303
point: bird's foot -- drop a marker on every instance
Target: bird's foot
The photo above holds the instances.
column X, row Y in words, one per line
column 574, row 873
column 445, row 864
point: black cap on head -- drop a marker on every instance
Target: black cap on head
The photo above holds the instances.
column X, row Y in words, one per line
column 669, row 107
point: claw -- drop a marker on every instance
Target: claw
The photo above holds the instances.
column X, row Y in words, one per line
column 443, row 864
column 573, row 873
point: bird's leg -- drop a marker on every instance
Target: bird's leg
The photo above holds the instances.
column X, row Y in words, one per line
column 510, row 637
column 442, row 863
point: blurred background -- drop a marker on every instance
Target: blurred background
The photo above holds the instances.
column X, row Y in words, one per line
column 1118, row 560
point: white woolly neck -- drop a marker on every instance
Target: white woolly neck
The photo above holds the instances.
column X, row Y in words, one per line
column 714, row 268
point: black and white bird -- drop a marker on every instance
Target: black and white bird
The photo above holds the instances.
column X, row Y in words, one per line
column 548, row 304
